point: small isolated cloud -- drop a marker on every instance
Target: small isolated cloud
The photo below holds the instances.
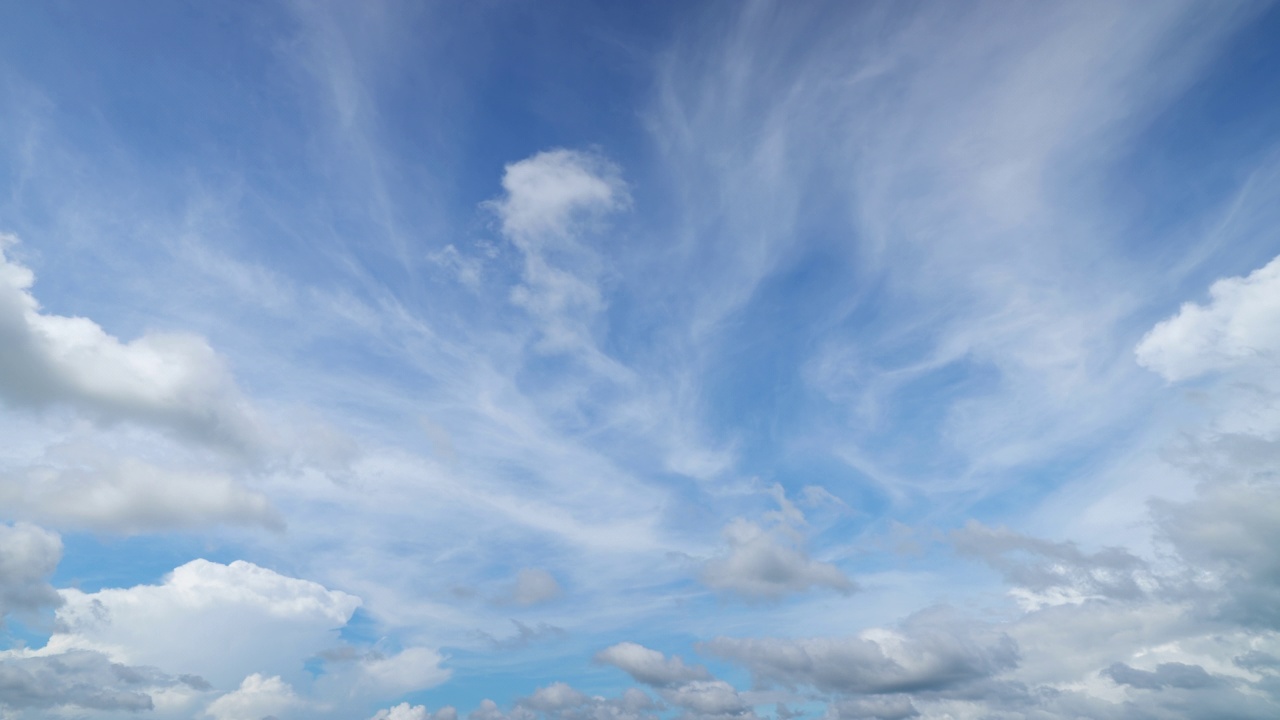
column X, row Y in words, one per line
column 257, row 697
column 28, row 557
column 650, row 666
column 526, row 635
column 415, row 668
column 1237, row 327
column 545, row 195
column 534, row 586
column 172, row 381
column 405, row 711
column 769, row 561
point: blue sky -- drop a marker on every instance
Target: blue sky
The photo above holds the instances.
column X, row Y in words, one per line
column 410, row 361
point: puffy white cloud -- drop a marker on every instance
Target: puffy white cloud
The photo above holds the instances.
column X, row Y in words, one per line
column 1236, row 327
column 405, row 711
column 411, row 669
column 258, row 697
column 28, row 556
column 534, row 586
column 546, row 193
column 650, row 666
column 94, row 490
column 172, row 381
column 211, row 620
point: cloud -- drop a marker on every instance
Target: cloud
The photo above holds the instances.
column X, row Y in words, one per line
column 28, row 557
column 1049, row 572
column 1235, row 328
column 893, row 707
column 549, row 194
column 1173, row 674
column 172, row 381
column 79, row 679
column 769, row 562
column 212, row 620
column 88, row 488
column 405, row 711
column 257, row 698
column 650, row 666
column 551, row 199
column 534, row 586
column 932, row 650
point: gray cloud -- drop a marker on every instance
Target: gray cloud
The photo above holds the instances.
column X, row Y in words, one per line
column 81, row 679
column 931, row 651
column 1174, row 674
column 1043, row 566
column 28, row 556
column 650, row 666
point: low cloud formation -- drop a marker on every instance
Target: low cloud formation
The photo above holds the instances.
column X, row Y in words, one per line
column 932, row 651
column 28, row 556
column 90, row 489
column 257, row 697
column 1236, row 327
column 650, row 666
column 209, row 619
column 171, row 381
column 768, row 560
column 1050, row 573
column 80, row 680
column 405, row 711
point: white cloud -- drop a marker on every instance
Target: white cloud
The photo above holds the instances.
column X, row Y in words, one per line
column 169, row 380
column 92, row 489
column 1237, row 327
column 211, row 620
column 769, row 561
column 650, row 666
column 405, row 711
column 547, row 194
column 708, row 697
column 258, row 697
column 411, row 669
column 28, row 556
column 534, row 586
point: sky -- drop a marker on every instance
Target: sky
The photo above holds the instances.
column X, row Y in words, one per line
column 582, row 360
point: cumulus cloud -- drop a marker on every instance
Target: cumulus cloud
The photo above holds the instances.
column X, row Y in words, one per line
column 549, row 200
column 79, row 679
column 1236, row 327
column 211, row 620
column 546, row 194
column 257, row 698
column 172, row 381
column 405, row 711
column 534, row 586
column 92, row 489
column 650, row 666
column 28, row 557
column 768, row 561
column 933, row 650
